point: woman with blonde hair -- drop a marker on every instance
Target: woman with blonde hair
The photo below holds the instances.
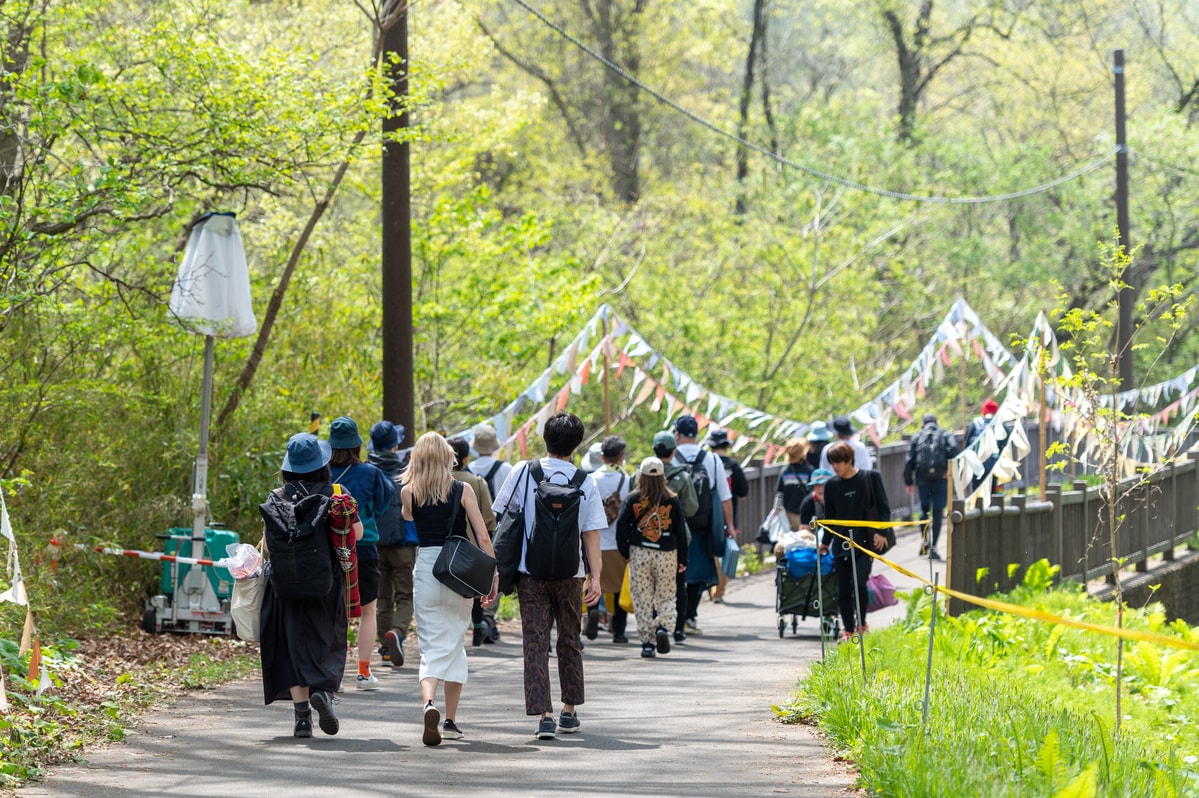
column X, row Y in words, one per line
column 440, row 505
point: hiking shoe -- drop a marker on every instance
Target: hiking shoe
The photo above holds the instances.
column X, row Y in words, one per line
column 692, row 628
column 476, row 635
column 303, row 726
column 395, row 647
column 547, row 729
column 568, row 723
column 368, row 683
column 450, row 731
column 619, row 639
column 647, row 650
column 923, row 549
column 432, row 735
column 592, row 630
column 663, row 641
column 680, row 638
column 323, row 703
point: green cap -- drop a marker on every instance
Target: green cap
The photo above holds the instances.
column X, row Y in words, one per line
column 665, row 440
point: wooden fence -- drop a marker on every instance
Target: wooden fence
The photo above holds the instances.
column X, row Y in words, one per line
column 1071, row 529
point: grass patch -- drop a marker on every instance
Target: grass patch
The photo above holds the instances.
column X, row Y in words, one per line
column 1016, row 707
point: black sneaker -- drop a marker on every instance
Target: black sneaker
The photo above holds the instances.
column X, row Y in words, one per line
column 647, row 650
column 620, row 639
column 932, row 554
column 923, row 549
column 592, row 630
column 476, row 635
column 322, row 702
column 568, row 723
column 395, row 647
column 663, row 641
column 450, row 731
column 432, row 735
column 680, row 638
column 547, row 729
column 491, row 632
column 303, row 726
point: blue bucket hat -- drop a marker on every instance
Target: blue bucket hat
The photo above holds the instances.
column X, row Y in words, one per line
column 819, row 432
column 305, row 454
column 819, row 477
column 343, row 434
column 385, row 435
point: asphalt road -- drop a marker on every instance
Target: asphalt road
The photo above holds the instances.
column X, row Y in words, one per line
column 695, row 722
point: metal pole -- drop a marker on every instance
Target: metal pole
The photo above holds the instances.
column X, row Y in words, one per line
column 200, row 477
column 1041, row 423
column 928, row 668
column 399, row 393
column 1127, row 296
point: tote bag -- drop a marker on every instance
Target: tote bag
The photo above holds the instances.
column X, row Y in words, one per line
column 245, row 606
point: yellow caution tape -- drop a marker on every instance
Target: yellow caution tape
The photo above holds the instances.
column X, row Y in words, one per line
column 1003, row 606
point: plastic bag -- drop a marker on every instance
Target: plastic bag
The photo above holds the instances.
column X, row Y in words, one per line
column 774, row 527
column 242, row 560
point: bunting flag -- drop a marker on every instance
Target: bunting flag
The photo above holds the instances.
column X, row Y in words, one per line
column 960, row 334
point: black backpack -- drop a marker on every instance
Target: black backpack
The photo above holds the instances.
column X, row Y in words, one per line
column 702, row 520
column 296, row 530
column 553, row 549
column 932, row 459
column 490, row 477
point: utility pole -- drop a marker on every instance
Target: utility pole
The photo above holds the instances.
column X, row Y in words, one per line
column 1127, row 295
column 399, row 404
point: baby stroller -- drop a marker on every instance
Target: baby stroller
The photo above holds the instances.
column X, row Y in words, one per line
column 802, row 595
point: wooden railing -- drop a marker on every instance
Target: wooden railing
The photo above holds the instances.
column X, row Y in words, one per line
column 1071, row 529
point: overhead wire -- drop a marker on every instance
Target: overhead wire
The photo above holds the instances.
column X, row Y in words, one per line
column 809, row 170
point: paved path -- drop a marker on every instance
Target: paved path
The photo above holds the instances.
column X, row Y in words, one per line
column 696, row 722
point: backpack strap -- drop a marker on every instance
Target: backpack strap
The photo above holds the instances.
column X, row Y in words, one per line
column 577, row 480
column 534, row 469
column 495, row 467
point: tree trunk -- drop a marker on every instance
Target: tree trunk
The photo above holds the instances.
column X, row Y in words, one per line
column 756, row 39
column 616, row 33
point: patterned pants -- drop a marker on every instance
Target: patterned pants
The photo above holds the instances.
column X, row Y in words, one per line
column 652, row 585
column 542, row 602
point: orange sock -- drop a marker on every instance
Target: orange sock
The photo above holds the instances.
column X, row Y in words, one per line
column 364, row 668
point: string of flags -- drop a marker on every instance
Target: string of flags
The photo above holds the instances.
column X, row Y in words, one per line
column 961, row 334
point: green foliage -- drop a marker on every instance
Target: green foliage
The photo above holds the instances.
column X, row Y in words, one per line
column 1024, row 706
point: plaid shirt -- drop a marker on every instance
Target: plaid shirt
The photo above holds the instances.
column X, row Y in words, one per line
column 343, row 514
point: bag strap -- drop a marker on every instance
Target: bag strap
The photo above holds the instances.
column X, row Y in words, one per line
column 491, row 472
column 455, row 505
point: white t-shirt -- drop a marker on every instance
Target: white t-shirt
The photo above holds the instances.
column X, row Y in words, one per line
column 609, row 479
column 861, row 455
column 482, row 465
column 517, row 492
column 687, row 452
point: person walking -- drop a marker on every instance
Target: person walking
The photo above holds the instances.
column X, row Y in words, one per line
column 544, row 599
column 678, row 478
column 482, row 619
column 439, row 506
column 926, row 468
column 818, row 437
column 793, row 481
column 711, row 523
column 845, row 431
column 397, row 548
column 302, row 642
column 613, row 486
column 853, row 495
column 373, row 491
column 721, row 446
column 650, row 534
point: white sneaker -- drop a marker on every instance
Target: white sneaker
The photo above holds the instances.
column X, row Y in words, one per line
column 692, row 628
column 368, row 683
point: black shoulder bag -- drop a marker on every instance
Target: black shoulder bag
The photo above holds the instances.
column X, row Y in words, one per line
column 462, row 566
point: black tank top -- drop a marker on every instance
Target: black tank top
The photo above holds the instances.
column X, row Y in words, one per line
column 433, row 520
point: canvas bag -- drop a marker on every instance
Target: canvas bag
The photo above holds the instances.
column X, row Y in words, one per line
column 245, row 606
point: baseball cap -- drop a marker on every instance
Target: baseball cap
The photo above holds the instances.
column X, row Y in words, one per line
column 652, row 467
column 686, row 426
column 664, row 440
column 819, row 477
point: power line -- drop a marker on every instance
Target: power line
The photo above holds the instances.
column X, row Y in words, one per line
column 831, row 178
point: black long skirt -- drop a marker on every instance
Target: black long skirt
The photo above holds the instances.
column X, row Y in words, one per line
column 302, row 642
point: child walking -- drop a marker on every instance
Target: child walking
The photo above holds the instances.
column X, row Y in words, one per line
column 651, row 533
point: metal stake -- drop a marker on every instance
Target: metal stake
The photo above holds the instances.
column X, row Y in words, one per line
column 928, row 668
